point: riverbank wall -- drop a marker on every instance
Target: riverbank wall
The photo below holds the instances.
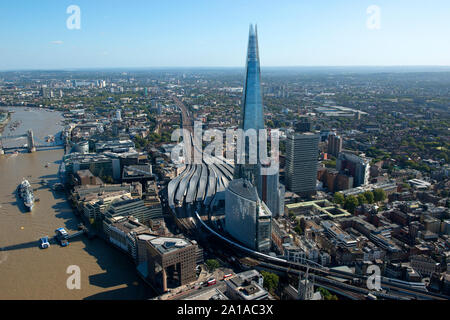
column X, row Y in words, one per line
column 5, row 117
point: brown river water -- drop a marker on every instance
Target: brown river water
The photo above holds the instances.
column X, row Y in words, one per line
column 28, row 272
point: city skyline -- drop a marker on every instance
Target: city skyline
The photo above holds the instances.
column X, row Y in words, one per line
column 240, row 182
column 201, row 34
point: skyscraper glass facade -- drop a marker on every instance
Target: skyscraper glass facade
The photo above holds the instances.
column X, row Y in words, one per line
column 252, row 117
column 252, row 111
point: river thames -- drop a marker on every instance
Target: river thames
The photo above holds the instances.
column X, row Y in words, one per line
column 28, row 272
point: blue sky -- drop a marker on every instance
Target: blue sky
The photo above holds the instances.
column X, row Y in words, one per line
column 171, row 33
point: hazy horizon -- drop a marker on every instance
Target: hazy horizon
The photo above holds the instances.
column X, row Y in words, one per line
column 51, row 35
column 396, row 68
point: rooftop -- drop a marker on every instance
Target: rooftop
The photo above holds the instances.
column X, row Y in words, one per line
column 322, row 206
column 166, row 245
column 243, row 284
column 243, row 188
column 137, row 171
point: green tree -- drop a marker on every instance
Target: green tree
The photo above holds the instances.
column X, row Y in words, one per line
column 361, row 199
column 330, row 163
column 326, row 294
column 350, row 204
column 379, row 195
column 338, row 198
column 271, row 280
column 332, row 297
column 369, row 196
column 212, row 264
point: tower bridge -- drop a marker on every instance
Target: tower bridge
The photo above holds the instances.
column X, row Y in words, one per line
column 30, row 146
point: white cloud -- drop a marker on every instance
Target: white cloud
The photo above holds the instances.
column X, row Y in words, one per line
column 57, row 42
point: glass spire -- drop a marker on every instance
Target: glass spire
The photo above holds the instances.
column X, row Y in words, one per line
column 252, row 111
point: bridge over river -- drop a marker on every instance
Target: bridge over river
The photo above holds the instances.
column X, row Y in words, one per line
column 30, row 146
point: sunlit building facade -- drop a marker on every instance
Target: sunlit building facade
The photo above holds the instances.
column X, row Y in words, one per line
column 247, row 219
column 252, row 118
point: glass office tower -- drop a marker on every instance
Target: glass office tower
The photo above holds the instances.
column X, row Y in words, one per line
column 252, row 117
column 247, row 219
column 252, row 112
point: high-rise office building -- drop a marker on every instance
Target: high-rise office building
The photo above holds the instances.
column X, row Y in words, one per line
column 252, row 117
column 273, row 193
column 247, row 219
column 252, row 111
column 301, row 162
column 334, row 145
column 355, row 166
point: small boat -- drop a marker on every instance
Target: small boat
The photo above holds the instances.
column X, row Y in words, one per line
column 44, row 243
column 62, row 236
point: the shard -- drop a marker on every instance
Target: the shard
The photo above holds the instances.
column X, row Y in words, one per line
column 251, row 114
column 252, row 107
column 252, row 117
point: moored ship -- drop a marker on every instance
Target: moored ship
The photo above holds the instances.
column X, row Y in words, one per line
column 26, row 194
